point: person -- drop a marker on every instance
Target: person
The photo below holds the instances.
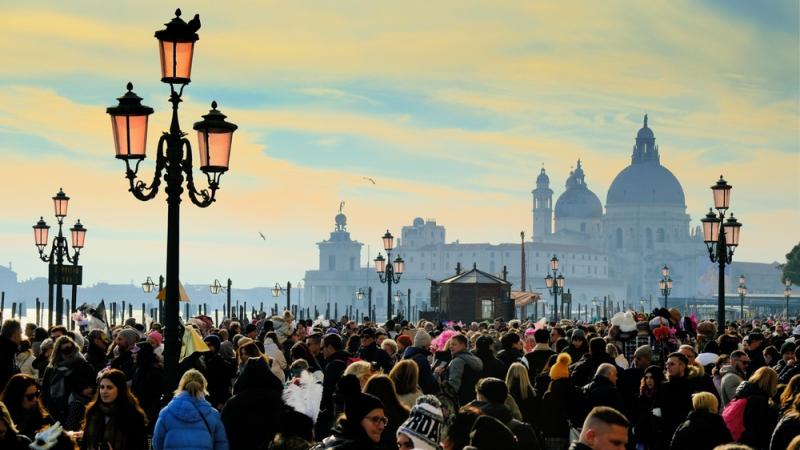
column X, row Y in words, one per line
column 602, row 390
column 583, row 370
column 405, row 375
column 382, row 387
column 335, row 365
column 788, row 394
column 97, row 350
column 10, row 439
column 537, row 358
column 43, row 359
column 10, row 337
column 370, row 352
column 604, row 429
column 520, row 389
column 732, row 376
column 492, row 367
column 188, row 420
column 560, row 401
column 363, row 370
column 148, row 381
column 25, row 358
column 512, row 351
column 423, row 428
column 788, row 427
column 21, row 397
column 390, row 347
column 125, row 340
column 675, row 400
column 491, row 394
column 114, row 418
column 67, row 372
column 754, row 347
column 251, row 416
column 646, row 413
column 218, row 371
column 295, row 431
column 760, row 415
column 420, row 354
column 577, row 345
column 455, row 436
column 704, row 428
column 489, row 433
column 463, row 370
column 363, row 422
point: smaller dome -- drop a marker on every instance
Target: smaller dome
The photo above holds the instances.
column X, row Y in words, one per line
column 645, row 132
column 578, row 203
column 418, row 222
column 341, row 219
column 542, row 178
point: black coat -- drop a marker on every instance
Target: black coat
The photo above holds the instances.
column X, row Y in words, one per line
column 582, row 372
column 148, row 387
column 8, row 360
column 675, row 401
column 509, row 356
column 219, row 372
column 648, row 429
column 526, row 437
column 788, row 427
column 376, row 355
column 334, row 368
column 537, row 359
column 760, row 418
column 427, row 381
column 251, row 416
column 492, row 367
column 347, row 437
column 601, row 392
column 78, row 375
column 702, row 430
column 560, row 404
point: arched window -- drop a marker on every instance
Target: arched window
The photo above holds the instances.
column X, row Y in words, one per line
column 660, row 235
column 619, row 238
column 648, row 235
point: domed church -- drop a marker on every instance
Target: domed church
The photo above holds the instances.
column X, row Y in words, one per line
column 645, row 224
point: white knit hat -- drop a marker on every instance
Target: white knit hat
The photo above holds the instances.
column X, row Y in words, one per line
column 424, row 424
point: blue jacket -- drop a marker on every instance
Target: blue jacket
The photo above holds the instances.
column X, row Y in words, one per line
column 180, row 426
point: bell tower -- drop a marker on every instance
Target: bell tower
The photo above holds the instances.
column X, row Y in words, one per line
column 542, row 208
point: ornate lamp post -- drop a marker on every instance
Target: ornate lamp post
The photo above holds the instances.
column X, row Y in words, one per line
column 360, row 296
column 595, row 307
column 721, row 237
column 277, row 290
column 787, row 292
column 555, row 284
column 148, row 286
column 58, row 275
column 389, row 272
column 742, row 291
column 173, row 160
column 665, row 284
column 216, row 287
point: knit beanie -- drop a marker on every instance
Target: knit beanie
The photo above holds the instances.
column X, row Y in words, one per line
column 405, row 340
column 212, row 339
column 424, row 424
column 561, row 368
column 422, row 339
column 356, row 403
column 156, row 336
column 490, row 433
column 129, row 334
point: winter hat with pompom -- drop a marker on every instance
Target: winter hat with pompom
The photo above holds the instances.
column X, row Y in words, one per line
column 561, row 368
column 424, row 424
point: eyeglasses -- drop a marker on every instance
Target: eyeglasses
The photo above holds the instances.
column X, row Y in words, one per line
column 32, row 397
column 378, row 420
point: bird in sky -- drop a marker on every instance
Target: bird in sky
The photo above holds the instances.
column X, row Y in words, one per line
column 369, row 179
column 262, row 235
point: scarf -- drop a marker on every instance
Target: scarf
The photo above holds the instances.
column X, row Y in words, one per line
column 102, row 428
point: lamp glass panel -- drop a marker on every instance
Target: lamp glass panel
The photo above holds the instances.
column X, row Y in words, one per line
column 40, row 235
column 554, row 263
column 214, row 148
column 78, row 238
column 722, row 198
column 388, row 241
column 665, row 271
column 560, row 281
column 60, row 205
column 548, row 281
column 181, row 66
column 380, row 265
column 732, row 234
column 130, row 135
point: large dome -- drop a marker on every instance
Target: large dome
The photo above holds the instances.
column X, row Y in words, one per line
column 578, row 201
column 649, row 183
column 645, row 181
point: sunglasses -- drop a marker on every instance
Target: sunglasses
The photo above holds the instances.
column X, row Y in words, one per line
column 32, row 397
column 378, row 420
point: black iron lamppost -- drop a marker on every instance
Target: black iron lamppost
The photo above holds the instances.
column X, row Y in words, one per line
column 277, row 290
column 595, row 307
column 665, row 284
column 58, row 275
column 148, row 287
column 360, row 296
column 173, row 160
column 787, row 292
column 742, row 291
column 216, row 287
column 389, row 272
column 641, row 304
column 555, row 284
column 721, row 237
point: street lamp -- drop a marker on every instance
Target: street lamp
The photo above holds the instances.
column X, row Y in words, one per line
column 721, row 237
column 389, row 272
column 595, row 307
column 360, row 296
column 148, row 286
column 641, row 304
column 216, row 287
column 58, row 274
column 742, row 291
column 665, row 284
column 173, row 160
column 787, row 292
column 277, row 290
column 555, row 284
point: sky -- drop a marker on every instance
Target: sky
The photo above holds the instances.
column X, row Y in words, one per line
column 452, row 107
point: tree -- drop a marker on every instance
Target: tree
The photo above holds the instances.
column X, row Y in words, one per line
column 791, row 270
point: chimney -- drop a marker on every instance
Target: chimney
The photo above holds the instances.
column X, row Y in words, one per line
column 458, row 268
column 505, row 273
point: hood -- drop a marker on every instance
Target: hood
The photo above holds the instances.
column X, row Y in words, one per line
column 471, row 360
column 255, row 375
column 729, row 369
column 186, row 408
column 499, row 411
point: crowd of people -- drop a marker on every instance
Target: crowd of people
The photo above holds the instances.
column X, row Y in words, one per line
column 635, row 381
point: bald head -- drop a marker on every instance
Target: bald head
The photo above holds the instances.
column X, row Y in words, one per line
column 607, row 370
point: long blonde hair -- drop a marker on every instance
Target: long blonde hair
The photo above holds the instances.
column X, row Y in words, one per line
column 194, row 383
column 361, row 369
column 518, row 381
column 766, row 379
column 405, row 375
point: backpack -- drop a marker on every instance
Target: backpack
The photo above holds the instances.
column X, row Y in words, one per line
column 733, row 415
